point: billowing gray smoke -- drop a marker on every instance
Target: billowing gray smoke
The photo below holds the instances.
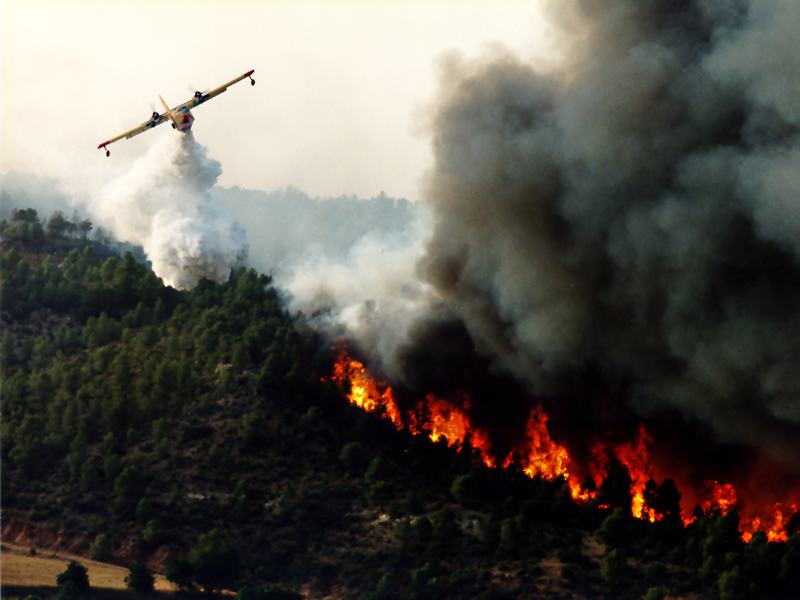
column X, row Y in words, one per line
column 637, row 212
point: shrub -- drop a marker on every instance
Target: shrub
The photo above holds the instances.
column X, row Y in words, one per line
column 129, row 487
column 615, row 490
column 421, row 579
column 378, row 493
column 90, row 478
column 422, row 528
column 387, row 587
column 67, row 591
column 75, row 574
column 227, row 380
column 402, row 531
column 732, row 585
column 160, row 429
column 215, row 561
column 287, row 498
column 140, row 579
column 353, row 457
column 790, row 563
column 181, row 573
column 311, row 417
column 101, row 548
column 615, row 567
column 144, row 510
column 445, row 524
column 466, row 489
column 154, row 534
column 723, row 536
column 377, row 470
column 614, row 531
column 489, row 529
column 217, row 454
column 253, row 428
column 653, row 593
column 162, row 448
column 112, row 465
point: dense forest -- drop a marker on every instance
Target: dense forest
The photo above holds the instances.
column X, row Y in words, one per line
column 200, row 433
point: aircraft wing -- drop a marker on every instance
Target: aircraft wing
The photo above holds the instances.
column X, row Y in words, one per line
column 215, row 92
column 140, row 129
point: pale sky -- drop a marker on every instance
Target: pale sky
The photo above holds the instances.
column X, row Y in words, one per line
column 340, row 84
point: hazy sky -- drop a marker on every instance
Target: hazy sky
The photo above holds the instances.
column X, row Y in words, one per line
column 336, row 108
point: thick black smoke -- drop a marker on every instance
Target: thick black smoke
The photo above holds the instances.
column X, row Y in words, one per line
column 635, row 214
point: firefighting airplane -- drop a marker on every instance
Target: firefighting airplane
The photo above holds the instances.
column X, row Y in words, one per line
column 180, row 116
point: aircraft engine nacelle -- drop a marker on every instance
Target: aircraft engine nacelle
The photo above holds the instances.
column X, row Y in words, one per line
column 198, row 95
column 154, row 116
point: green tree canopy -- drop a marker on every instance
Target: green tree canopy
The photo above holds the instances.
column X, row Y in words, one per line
column 129, row 487
column 75, row 574
column 101, row 548
column 215, row 561
column 353, row 457
column 181, row 573
column 140, row 579
column 615, row 529
column 615, row 490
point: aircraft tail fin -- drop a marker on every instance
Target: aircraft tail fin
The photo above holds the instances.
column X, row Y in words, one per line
column 164, row 103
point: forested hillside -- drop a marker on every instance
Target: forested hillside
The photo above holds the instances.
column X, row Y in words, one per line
column 201, row 433
column 287, row 227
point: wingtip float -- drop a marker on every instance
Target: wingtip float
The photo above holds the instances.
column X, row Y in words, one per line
column 180, row 116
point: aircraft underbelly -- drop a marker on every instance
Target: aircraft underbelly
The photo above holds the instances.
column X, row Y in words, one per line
column 184, row 122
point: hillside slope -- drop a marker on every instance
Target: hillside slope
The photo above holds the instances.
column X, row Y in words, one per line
column 155, row 416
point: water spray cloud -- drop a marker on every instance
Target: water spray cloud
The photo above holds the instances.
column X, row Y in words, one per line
column 164, row 205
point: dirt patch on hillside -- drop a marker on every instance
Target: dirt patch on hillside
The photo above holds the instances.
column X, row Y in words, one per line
column 44, row 537
column 52, row 540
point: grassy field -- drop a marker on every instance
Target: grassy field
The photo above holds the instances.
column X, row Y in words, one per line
column 20, row 568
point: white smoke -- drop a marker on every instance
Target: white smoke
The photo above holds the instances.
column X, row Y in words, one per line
column 164, row 205
column 373, row 297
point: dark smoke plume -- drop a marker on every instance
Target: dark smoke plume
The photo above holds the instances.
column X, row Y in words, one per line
column 634, row 215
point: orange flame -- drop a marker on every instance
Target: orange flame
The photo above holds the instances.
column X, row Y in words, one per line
column 776, row 531
column 634, row 456
column 365, row 391
column 722, row 497
column 545, row 457
column 480, row 441
column 449, row 420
